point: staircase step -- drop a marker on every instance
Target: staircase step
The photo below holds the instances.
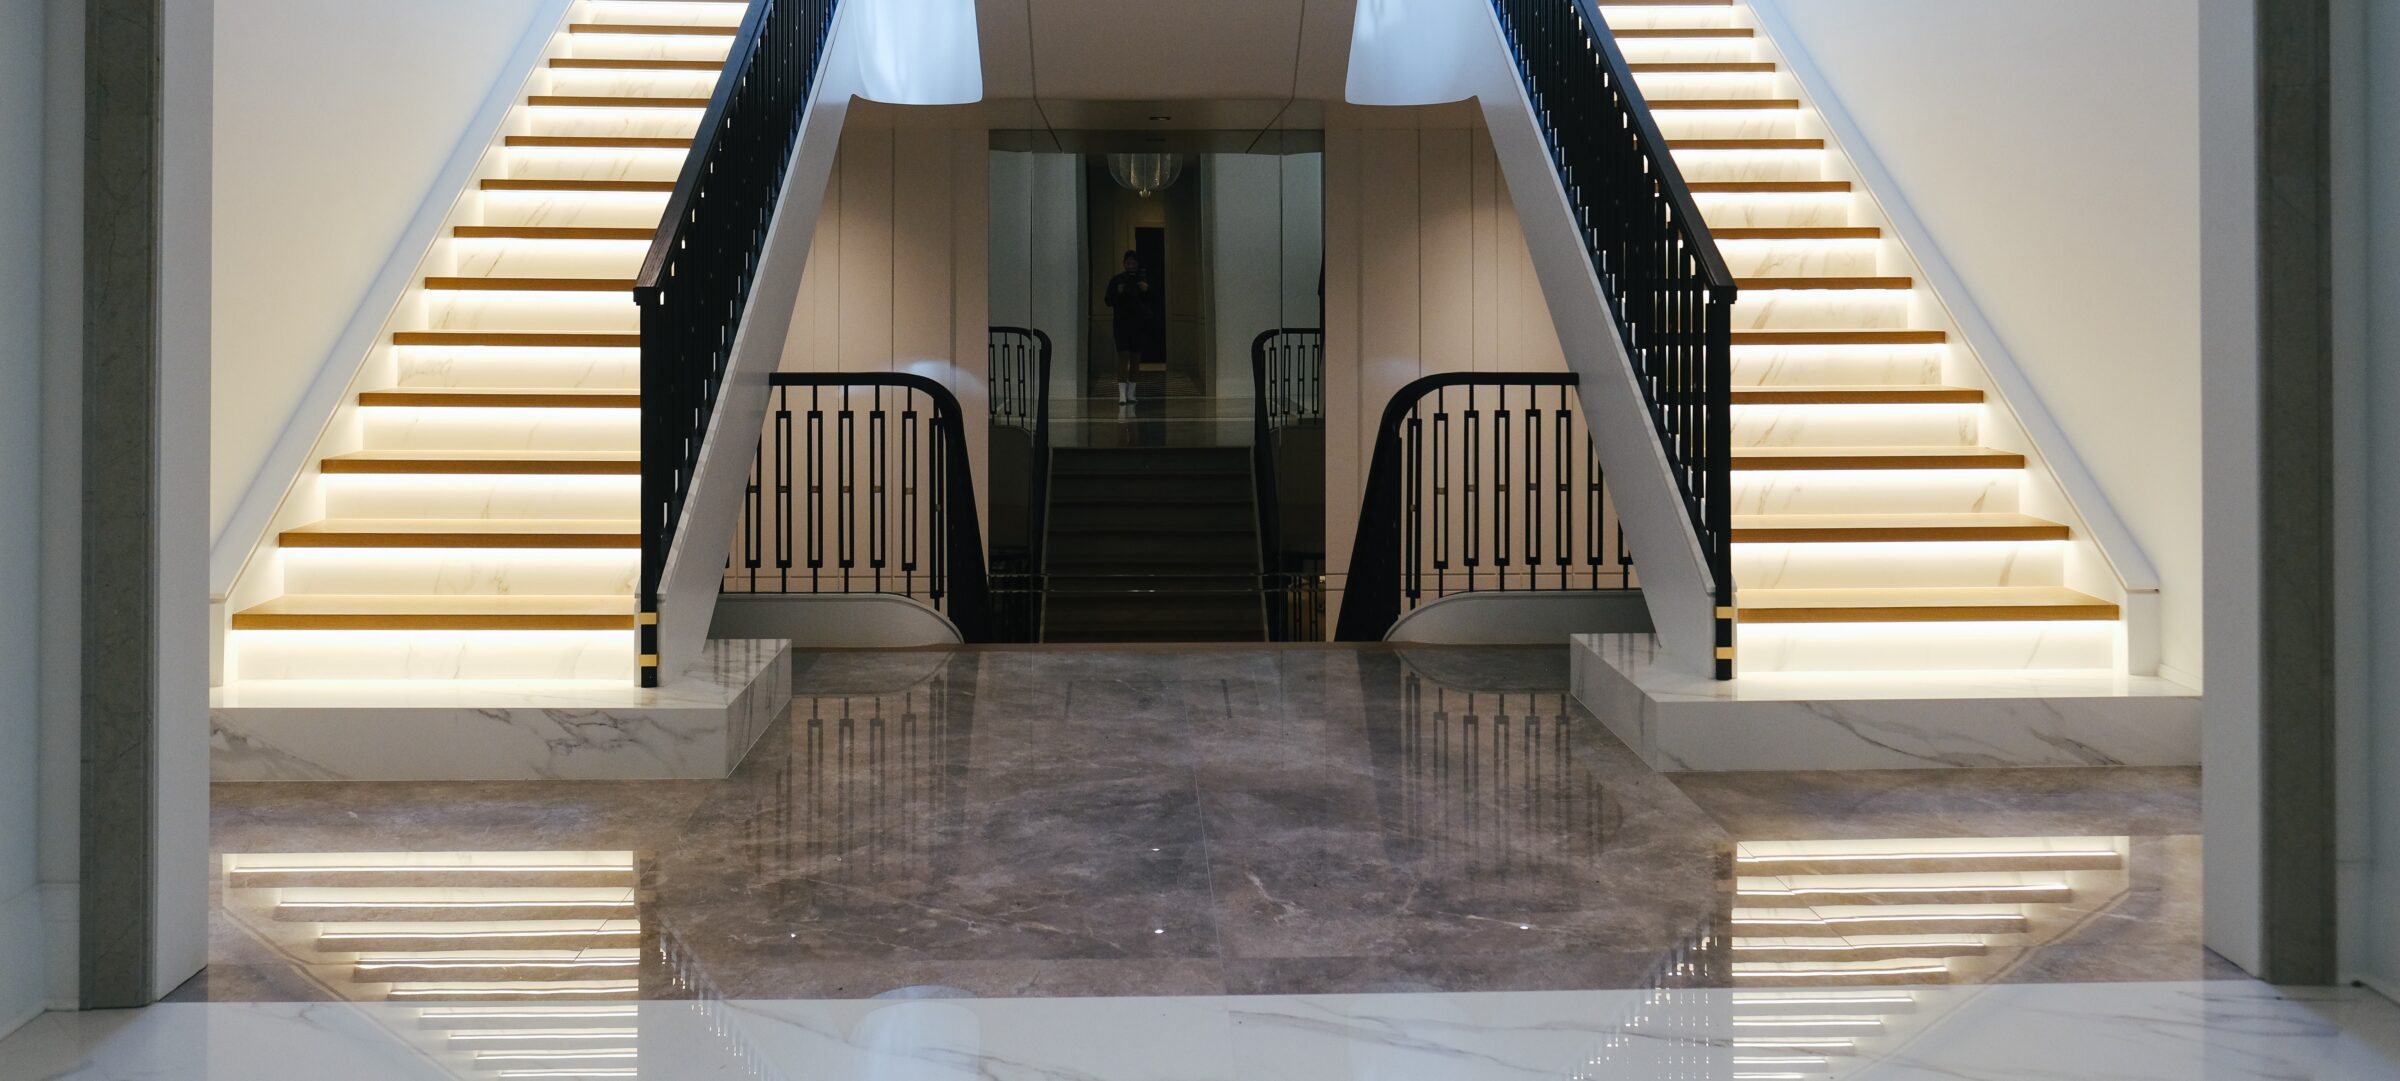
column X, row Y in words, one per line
column 1745, row 144
column 598, row 142
column 464, row 533
column 1768, row 187
column 1799, row 232
column 582, row 101
column 1702, row 67
column 655, row 29
column 558, row 463
column 328, row 613
column 1773, row 950
column 1673, row 104
column 1859, row 395
column 541, row 340
column 533, row 285
column 1748, row 285
column 1853, row 528
column 1840, row 337
column 550, row 232
column 1689, row 32
column 639, row 64
column 579, row 185
column 1767, row 459
column 503, row 399
column 1944, row 605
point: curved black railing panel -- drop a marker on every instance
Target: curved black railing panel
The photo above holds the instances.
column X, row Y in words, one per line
column 695, row 282
column 1287, row 386
column 862, row 485
column 1479, row 481
column 1651, row 250
column 1019, row 366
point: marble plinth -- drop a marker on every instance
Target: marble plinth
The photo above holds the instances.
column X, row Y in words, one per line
column 1678, row 719
column 698, row 726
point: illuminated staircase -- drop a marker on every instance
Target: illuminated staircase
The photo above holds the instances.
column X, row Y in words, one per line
column 1874, row 529
column 480, row 523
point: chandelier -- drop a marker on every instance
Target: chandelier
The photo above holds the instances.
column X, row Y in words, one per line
column 1145, row 174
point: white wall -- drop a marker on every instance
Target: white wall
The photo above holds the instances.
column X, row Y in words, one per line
column 1426, row 271
column 331, row 123
column 23, row 943
column 2052, row 147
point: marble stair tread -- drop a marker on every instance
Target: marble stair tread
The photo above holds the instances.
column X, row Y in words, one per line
column 1944, row 604
column 1737, row 143
column 562, row 184
column 1838, row 528
column 548, row 462
column 1673, row 104
column 509, row 398
column 1769, row 187
column 1861, row 394
column 553, row 232
column 1795, row 458
column 613, row 101
column 442, row 613
column 542, row 339
column 464, row 533
column 1703, row 67
column 1673, row 32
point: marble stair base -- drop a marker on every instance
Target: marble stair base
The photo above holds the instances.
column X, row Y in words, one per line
column 1679, row 720
column 698, row 726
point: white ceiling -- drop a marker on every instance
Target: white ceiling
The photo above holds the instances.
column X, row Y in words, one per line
column 1164, row 50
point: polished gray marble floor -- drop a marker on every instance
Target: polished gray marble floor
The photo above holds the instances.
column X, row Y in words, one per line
column 1083, row 822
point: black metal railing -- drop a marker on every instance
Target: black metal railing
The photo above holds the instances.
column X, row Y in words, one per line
column 1019, row 372
column 1656, row 262
column 862, row 485
column 695, row 283
column 1480, row 481
column 1287, row 380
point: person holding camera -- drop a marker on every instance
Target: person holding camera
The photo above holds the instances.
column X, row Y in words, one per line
column 1128, row 299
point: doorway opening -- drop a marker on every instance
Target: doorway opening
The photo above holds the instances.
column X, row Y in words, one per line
column 1157, row 452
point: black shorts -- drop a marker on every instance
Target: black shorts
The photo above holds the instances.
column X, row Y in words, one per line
column 1130, row 338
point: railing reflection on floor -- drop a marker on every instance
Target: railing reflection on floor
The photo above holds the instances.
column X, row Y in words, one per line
column 1018, row 468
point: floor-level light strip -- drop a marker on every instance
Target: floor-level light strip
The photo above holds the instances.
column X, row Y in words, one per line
column 1828, row 973
column 1838, row 947
column 496, row 963
column 549, row 1034
column 479, row 1013
column 613, row 988
column 348, row 935
column 1861, row 857
column 557, row 1056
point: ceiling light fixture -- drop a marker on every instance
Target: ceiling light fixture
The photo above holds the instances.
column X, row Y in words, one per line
column 1145, row 174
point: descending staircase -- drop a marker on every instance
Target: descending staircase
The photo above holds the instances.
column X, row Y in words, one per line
column 1872, row 530
column 1156, row 544
column 484, row 526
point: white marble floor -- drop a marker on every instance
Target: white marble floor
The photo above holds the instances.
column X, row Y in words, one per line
column 2226, row 1030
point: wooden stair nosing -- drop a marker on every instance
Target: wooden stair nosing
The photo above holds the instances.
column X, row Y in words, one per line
column 1712, row 104
column 1840, row 337
column 1768, row 187
column 1798, row 232
column 634, row 64
column 1678, row 145
column 1653, row 33
column 1702, row 67
column 1937, row 613
column 655, row 29
column 501, row 399
column 435, row 465
column 551, row 232
column 1769, row 395
column 516, row 184
column 597, row 142
column 312, row 537
column 1748, row 285
column 594, row 101
column 408, row 621
column 1873, row 532
column 1753, row 461
column 531, row 285
column 517, row 339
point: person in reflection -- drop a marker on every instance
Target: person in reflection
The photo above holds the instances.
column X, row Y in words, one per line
column 1128, row 299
